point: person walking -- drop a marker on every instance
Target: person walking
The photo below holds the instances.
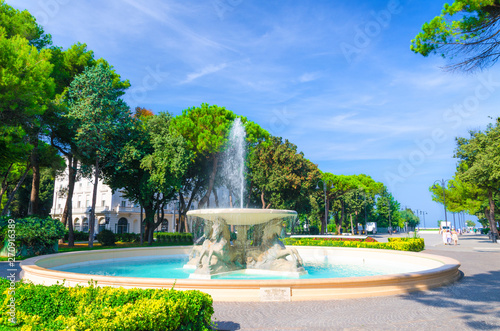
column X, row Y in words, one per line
column 443, row 233
column 454, row 237
column 448, row 237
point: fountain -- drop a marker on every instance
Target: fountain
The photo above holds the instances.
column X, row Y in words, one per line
column 215, row 265
column 263, row 251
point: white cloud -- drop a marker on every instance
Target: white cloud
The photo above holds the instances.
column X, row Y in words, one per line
column 203, row 72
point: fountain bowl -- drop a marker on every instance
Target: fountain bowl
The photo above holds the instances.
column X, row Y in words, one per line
column 241, row 216
column 435, row 271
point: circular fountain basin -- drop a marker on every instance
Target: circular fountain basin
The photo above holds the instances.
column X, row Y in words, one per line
column 432, row 271
column 241, row 216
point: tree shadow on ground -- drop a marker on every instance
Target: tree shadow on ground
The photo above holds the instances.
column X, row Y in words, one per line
column 475, row 299
column 225, row 326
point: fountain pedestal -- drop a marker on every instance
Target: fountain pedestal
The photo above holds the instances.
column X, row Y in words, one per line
column 263, row 252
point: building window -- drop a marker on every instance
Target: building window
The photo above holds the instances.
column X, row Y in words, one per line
column 85, row 227
column 124, row 203
column 103, row 203
column 79, row 204
column 122, row 226
column 88, row 201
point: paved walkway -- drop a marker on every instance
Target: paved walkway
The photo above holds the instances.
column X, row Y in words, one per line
column 473, row 303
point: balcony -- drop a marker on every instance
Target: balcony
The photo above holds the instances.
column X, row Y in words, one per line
column 121, row 209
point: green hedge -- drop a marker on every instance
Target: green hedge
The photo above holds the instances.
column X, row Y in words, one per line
column 406, row 244
column 77, row 236
column 33, row 235
column 173, row 237
column 127, row 237
column 58, row 307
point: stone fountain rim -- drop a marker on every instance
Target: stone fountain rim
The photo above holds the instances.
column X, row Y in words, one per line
column 249, row 290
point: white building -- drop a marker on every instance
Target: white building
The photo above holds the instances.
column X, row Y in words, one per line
column 113, row 211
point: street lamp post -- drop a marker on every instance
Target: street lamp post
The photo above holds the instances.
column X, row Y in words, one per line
column 423, row 214
column 443, row 183
column 330, row 185
column 389, row 210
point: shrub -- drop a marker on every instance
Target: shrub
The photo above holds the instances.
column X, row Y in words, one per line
column 34, row 235
column 174, row 237
column 106, row 238
column 127, row 237
column 415, row 245
column 78, row 236
column 58, row 307
column 313, row 229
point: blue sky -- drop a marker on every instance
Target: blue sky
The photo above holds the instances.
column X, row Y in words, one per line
column 336, row 78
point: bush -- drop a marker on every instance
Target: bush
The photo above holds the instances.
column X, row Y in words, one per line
column 78, row 236
column 406, row 244
column 313, row 229
column 332, row 228
column 127, row 237
column 485, row 230
column 106, row 238
column 33, row 235
column 57, row 307
column 174, row 237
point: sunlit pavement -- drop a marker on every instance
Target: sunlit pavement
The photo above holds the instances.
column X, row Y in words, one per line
column 473, row 303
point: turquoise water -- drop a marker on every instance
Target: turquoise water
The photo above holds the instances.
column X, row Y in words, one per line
column 172, row 267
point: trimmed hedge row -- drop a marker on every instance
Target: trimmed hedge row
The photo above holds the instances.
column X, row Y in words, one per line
column 173, row 237
column 368, row 239
column 128, row 237
column 58, row 307
column 78, row 236
column 414, row 245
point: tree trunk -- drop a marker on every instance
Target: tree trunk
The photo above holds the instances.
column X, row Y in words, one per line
column 342, row 216
column 67, row 216
column 141, row 232
column 35, row 186
column 94, row 198
column 249, row 193
column 148, row 222
column 493, row 225
column 11, row 196
column 216, row 199
column 263, row 201
column 324, row 224
column 211, row 181
column 3, row 189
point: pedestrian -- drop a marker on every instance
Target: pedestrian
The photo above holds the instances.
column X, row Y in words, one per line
column 448, row 237
column 454, row 236
column 443, row 233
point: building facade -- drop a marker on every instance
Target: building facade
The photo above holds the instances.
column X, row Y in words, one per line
column 113, row 211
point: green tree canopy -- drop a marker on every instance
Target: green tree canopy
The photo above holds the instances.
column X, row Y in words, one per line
column 466, row 32
column 280, row 176
column 479, row 164
column 104, row 121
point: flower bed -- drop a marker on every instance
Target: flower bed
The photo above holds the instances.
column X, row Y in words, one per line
column 400, row 244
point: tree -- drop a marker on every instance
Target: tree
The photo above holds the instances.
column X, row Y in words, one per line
column 281, row 176
column 339, row 185
column 479, row 163
column 388, row 208
column 25, row 90
column 149, row 167
column 466, row 31
column 23, row 24
column 104, row 121
column 470, row 224
column 205, row 130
